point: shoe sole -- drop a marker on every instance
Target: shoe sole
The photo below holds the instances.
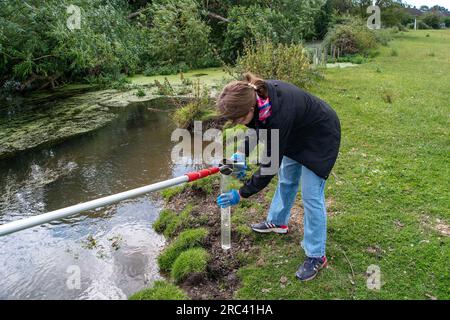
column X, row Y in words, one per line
column 275, row 230
column 315, row 275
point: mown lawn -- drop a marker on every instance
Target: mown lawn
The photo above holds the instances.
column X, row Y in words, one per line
column 389, row 190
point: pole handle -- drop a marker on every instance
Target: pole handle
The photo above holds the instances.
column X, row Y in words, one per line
column 202, row 173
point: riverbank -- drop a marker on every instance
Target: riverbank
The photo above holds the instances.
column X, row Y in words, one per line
column 387, row 202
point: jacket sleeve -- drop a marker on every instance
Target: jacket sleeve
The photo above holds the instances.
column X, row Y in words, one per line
column 259, row 180
column 248, row 147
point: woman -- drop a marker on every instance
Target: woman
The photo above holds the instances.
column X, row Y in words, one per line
column 309, row 138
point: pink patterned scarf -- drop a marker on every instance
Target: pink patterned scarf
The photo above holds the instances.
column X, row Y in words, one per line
column 264, row 108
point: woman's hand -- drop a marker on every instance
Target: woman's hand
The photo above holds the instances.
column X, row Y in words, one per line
column 227, row 199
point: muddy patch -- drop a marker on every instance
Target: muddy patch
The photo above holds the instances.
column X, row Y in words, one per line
column 436, row 224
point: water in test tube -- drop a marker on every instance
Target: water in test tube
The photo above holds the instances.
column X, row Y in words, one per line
column 225, row 213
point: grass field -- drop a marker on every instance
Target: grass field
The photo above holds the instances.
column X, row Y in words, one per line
column 390, row 188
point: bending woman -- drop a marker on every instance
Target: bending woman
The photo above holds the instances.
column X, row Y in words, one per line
column 309, row 139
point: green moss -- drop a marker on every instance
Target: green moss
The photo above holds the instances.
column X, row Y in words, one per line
column 169, row 193
column 161, row 290
column 191, row 261
column 208, row 185
column 166, row 217
column 243, row 230
column 185, row 240
column 178, row 221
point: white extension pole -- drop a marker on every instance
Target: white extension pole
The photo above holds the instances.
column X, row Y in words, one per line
column 66, row 212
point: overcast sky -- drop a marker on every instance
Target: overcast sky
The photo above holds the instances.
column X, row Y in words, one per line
column 430, row 3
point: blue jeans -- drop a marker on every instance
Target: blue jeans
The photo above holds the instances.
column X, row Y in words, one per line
column 315, row 216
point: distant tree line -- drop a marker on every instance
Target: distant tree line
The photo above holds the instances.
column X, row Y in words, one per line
column 119, row 37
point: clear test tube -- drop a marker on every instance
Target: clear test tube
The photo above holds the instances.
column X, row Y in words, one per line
column 225, row 215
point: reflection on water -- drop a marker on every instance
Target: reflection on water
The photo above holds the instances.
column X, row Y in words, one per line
column 37, row 263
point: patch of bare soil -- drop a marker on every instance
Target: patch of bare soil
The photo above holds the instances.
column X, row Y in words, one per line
column 220, row 280
column 436, row 224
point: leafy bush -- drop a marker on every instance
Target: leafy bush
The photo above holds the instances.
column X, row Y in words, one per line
column 277, row 61
column 199, row 108
column 447, row 22
column 432, row 19
column 383, row 36
column 185, row 240
column 281, row 21
column 351, row 38
column 38, row 49
column 161, row 290
column 178, row 36
column 191, row 261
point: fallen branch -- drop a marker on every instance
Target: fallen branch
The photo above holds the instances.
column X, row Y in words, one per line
column 351, row 266
column 216, row 16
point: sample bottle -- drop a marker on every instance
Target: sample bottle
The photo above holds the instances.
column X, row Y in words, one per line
column 225, row 215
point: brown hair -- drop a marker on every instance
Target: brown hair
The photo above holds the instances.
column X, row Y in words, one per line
column 238, row 97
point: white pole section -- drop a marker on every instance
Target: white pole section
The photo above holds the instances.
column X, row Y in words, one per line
column 65, row 212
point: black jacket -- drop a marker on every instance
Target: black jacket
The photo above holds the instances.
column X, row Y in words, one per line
column 309, row 132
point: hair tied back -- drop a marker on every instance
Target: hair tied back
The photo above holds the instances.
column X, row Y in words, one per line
column 252, row 85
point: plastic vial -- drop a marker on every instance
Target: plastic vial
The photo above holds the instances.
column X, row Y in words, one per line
column 225, row 213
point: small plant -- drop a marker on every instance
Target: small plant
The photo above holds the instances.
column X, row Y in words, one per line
column 161, row 290
column 90, row 243
column 140, row 93
column 431, row 54
column 388, row 96
column 394, row 53
column 115, row 242
column 191, row 261
column 185, row 240
column 199, row 108
column 164, row 89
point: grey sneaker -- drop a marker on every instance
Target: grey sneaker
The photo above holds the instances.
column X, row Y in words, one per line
column 265, row 227
column 310, row 268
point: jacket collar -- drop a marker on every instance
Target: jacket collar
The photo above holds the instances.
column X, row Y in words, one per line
column 274, row 100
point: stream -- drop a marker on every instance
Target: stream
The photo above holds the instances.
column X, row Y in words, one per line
column 108, row 253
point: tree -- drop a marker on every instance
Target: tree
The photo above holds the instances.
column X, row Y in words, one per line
column 433, row 19
column 178, row 35
column 38, row 49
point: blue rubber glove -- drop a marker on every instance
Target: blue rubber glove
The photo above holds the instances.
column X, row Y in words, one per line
column 228, row 198
column 239, row 157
